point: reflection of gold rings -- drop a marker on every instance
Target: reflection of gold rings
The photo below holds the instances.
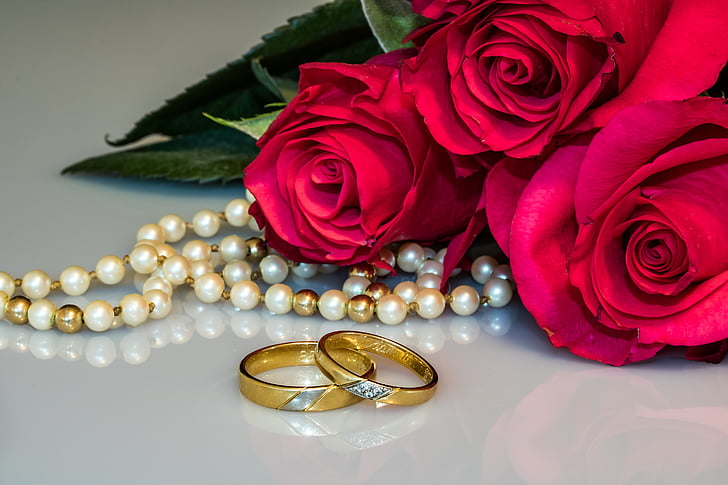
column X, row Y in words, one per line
column 297, row 398
column 347, row 377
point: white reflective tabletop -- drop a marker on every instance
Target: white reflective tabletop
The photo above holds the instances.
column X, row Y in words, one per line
column 160, row 403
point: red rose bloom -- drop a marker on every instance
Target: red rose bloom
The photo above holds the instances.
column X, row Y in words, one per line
column 511, row 76
column 437, row 9
column 349, row 166
column 619, row 248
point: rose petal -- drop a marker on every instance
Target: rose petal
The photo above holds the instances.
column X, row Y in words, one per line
column 684, row 58
column 609, row 165
column 503, row 187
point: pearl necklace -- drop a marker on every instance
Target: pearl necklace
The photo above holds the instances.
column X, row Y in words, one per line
column 360, row 299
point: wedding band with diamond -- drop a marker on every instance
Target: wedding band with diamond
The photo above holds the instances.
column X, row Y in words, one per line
column 298, row 398
column 342, row 374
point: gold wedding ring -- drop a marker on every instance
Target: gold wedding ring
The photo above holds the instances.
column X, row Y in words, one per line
column 343, row 374
column 298, row 398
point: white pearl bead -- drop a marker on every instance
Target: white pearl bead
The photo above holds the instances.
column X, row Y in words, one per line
column 440, row 258
column 391, row 309
column 328, row 268
column 139, row 280
column 174, row 227
column 150, row 242
column 249, row 196
column 430, row 253
column 216, row 259
column 162, row 303
column 386, row 255
column 110, row 270
column 165, row 250
column 503, row 272
column 144, row 259
column 157, row 283
column 99, row 316
column 152, row 232
column 430, row 303
column 355, row 285
column 75, row 280
column 40, row 314
column 134, row 309
column 499, row 292
column 245, row 295
column 407, row 290
column 236, row 212
column 7, row 283
column 273, row 269
column 236, row 271
column 279, row 299
column 3, row 300
column 206, row 223
column 429, row 280
column 209, row 287
column 253, row 225
column 233, row 247
column 177, row 269
column 332, row 305
column 117, row 323
column 410, row 257
column 431, row 267
column 465, row 300
column 482, row 268
column 197, row 250
column 36, row 284
column 199, row 268
column 305, row 270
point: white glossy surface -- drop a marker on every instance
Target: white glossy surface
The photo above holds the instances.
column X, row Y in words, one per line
column 159, row 403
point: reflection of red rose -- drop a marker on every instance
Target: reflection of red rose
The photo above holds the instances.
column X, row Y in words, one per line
column 511, row 76
column 349, row 166
column 605, row 427
column 619, row 249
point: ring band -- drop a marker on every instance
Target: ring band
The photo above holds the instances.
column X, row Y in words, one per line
column 343, row 375
column 297, row 398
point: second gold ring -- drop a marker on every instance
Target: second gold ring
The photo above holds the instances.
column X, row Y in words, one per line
column 342, row 374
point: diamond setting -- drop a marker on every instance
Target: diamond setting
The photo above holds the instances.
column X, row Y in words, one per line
column 369, row 390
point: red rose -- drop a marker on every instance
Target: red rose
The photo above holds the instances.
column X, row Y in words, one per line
column 620, row 248
column 511, row 76
column 437, row 9
column 349, row 166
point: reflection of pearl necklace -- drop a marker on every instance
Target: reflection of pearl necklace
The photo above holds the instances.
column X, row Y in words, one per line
column 361, row 298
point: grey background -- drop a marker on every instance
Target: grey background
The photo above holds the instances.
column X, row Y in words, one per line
column 509, row 409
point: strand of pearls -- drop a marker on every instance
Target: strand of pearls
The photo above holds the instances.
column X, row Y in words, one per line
column 160, row 269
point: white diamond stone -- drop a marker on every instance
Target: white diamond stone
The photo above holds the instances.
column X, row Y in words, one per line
column 369, row 390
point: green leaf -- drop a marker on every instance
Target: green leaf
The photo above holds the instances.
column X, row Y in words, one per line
column 391, row 21
column 284, row 89
column 254, row 127
column 337, row 31
column 216, row 155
